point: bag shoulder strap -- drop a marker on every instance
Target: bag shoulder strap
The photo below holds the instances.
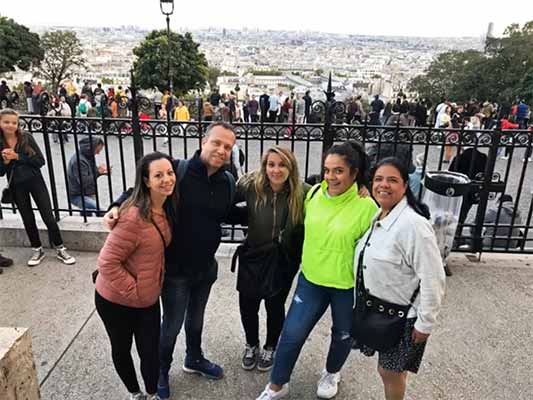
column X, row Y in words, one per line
column 231, row 182
column 10, row 177
column 181, row 170
column 360, row 282
column 314, row 189
column 160, row 234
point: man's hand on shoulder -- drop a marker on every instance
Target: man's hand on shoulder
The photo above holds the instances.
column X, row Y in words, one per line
column 111, row 218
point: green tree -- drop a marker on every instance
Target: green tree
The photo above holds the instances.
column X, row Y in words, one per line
column 18, row 46
column 62, row 52
column 189, row 67
column 503, row 73
column 212, row 75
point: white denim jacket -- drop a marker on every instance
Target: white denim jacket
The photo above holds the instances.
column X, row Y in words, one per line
column 401, row 253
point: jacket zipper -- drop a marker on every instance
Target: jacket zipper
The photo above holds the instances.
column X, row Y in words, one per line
column 274, row 201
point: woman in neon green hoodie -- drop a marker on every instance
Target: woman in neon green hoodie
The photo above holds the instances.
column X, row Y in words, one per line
column 336, row 217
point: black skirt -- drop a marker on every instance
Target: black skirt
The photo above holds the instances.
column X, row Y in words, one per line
column 405, row 356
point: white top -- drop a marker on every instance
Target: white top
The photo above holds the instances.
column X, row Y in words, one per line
column 401, row 253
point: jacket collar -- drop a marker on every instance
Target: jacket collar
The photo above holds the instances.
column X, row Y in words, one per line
column 198, row 166
column 393, row 216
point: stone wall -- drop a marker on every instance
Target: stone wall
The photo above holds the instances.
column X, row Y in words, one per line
column 18, row 377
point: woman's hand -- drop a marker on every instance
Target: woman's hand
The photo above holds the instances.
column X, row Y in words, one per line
column 111, row 218
column 363, row 192
column 9, row 154
column 419, row 337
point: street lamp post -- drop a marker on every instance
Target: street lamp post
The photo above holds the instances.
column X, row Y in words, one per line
column 167, row 9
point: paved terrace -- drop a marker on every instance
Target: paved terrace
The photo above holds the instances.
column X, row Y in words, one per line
column 482, row 348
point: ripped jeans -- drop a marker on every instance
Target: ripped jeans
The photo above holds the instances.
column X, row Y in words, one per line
column 309, row 304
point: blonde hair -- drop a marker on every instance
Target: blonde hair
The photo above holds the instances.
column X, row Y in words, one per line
column 260, row 180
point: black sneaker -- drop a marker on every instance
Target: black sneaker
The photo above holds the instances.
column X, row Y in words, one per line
column 266, row 359
column 249, row 359
column 5, row 262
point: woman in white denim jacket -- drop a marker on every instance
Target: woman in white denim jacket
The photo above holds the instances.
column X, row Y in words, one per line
column 400, row 255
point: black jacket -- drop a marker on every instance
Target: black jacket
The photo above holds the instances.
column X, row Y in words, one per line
column 89, row 170
column 27, row 166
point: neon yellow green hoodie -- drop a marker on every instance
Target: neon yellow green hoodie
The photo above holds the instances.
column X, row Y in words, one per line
column 333, row 225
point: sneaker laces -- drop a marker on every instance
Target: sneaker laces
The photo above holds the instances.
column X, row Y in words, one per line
column 249, row 352
column 328, row 379
column 62, row 251
column 37, row 253
column 267, row 354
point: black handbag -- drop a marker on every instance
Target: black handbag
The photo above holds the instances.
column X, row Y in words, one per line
column 7, row 193
column 261, row 269
column 376, row 323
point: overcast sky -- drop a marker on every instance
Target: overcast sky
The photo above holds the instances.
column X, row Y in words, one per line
column 366, row 17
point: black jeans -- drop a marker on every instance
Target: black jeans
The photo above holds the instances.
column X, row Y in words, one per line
column 36, row 187
column 275, row 311
column 122, row 324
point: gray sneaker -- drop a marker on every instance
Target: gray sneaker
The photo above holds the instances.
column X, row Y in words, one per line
column 266, row 359
column 38, row 255
column 249, row 359
column 64, row 256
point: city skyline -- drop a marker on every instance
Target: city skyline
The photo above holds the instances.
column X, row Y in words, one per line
column 457, row 19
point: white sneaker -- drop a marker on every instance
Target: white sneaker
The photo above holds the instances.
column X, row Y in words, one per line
column 38, row 255
column 504, row 157
column 153, row 397
column 328, row 385
column 64, row 256
column 269, row 394
column 137, row 396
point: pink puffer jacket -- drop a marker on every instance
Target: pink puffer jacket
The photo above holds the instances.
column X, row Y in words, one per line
column 132, row 261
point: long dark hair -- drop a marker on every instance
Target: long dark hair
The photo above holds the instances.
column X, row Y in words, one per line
column 140, row 197
column 22, row 138
column 355, row 156
column 419, row 207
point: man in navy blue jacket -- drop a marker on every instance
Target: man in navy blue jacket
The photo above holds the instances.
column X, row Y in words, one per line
column 191, row 269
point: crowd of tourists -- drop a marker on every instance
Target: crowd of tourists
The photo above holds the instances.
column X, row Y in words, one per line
column 166, row 229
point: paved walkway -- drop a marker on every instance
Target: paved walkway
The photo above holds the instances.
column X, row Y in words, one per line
column 481, row 350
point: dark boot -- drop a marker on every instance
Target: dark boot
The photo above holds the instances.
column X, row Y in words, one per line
column 5, row 262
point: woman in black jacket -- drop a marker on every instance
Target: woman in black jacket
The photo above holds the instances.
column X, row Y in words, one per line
column 274, row 196
column 21, row 161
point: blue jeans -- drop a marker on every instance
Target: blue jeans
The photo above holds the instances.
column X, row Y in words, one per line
column 309, row 303
column 184, row 299
column 90, row 205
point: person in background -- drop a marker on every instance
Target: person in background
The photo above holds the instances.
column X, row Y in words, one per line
column 410, row 271
column 22, row 160
column 130, row 273
column 82, row 180
column 28, row 91
column 208, row 111
column 503, row 212
column 308, row 103
column 253, row 109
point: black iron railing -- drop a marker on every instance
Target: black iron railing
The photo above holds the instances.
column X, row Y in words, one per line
column 127, row 138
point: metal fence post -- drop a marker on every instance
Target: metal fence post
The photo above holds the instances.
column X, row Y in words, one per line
column 328, row 119
column 44, row 102
column 138, row 148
